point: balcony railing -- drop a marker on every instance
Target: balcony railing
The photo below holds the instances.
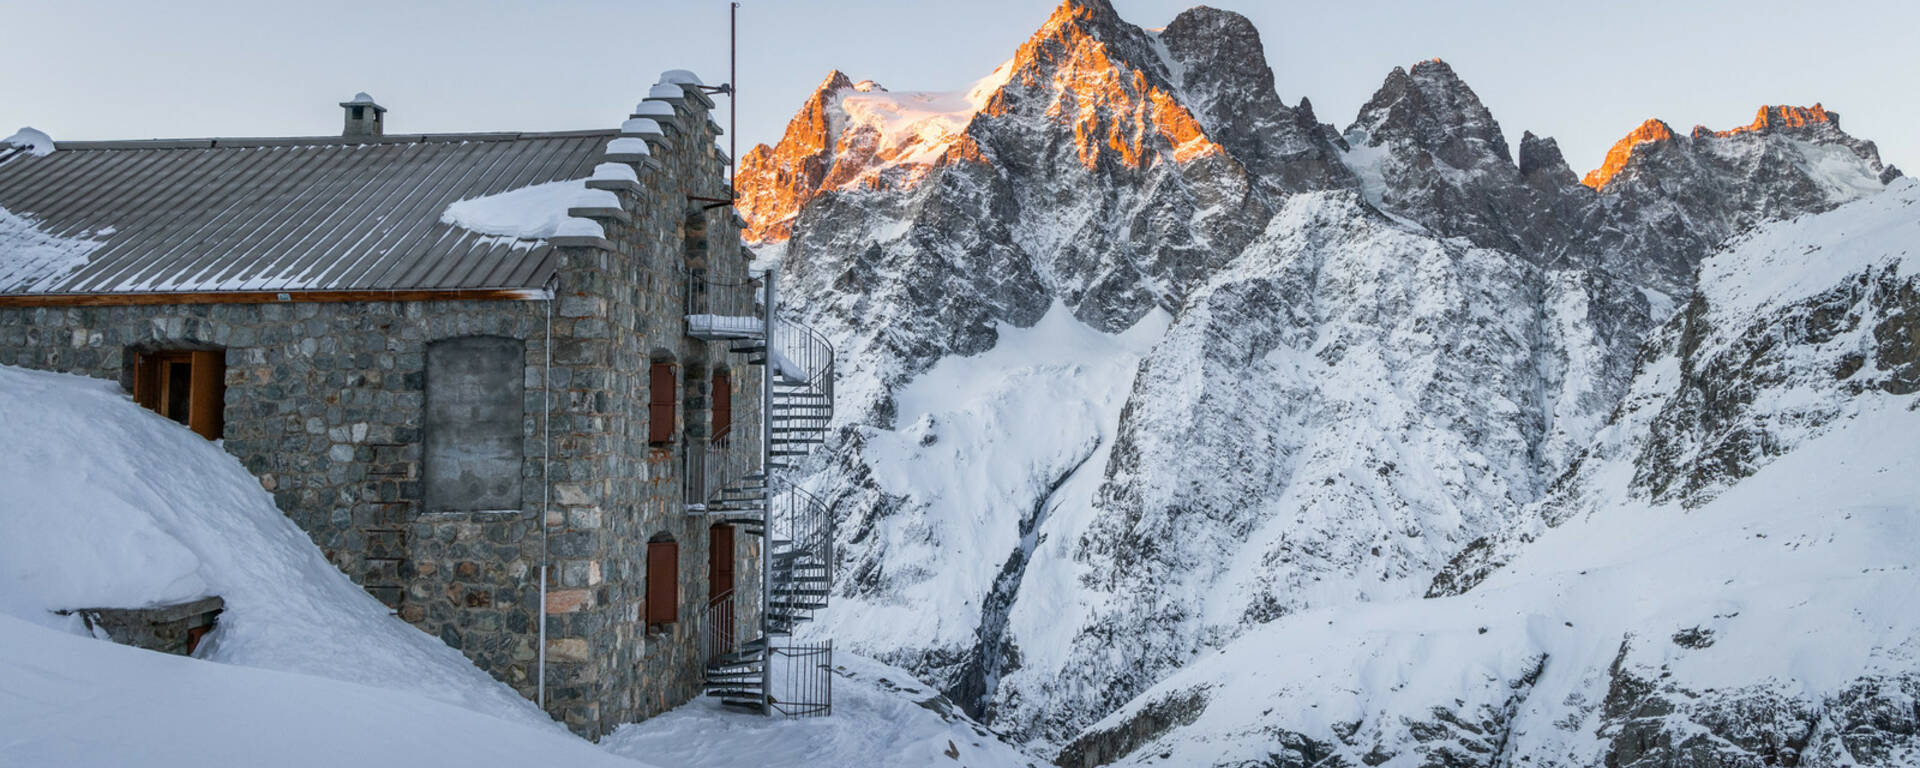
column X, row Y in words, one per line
column 715, row 463
column 724, row 624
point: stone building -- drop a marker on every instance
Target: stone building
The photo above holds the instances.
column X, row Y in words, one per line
column 463, row 364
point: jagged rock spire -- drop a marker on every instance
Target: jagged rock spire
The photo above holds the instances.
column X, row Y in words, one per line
column 1541, row 163
column 1226, row 82
column 1430, row 106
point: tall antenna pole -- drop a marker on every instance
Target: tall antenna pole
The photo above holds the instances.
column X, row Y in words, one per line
column 733, row 101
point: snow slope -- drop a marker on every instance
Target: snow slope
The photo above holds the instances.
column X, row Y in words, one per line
column 1728, row 576
column 72, row 701
column 973, row 493
column 104, row 504
column 1801, row 584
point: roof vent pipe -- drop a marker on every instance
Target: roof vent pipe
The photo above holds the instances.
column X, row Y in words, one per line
column 364, row 118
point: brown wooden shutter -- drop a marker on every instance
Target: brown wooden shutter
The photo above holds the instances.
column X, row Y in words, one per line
column 146, row 381
column 663, row 582
column 720, row 560
column 660, row 400
column 722, row 406
column 207, row 412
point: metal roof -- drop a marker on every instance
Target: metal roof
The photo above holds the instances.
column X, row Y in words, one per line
column 285, row 214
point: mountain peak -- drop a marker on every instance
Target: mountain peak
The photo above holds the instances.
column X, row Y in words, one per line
column 1079, row 12
column 1540, row 160
column 835, row 80
column 1651, row 131
column 1430, row 106
column 1778, row 118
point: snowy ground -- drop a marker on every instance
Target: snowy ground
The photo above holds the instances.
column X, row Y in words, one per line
column 881, row 716
column 75, row 701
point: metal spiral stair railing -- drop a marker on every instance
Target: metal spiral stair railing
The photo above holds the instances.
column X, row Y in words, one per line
column 739, row 627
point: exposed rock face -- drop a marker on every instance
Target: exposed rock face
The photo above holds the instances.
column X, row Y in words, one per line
column 1735, row 616
column 1222, row 72
column 786, row 177
column 1366, row 353
column 1651, row 131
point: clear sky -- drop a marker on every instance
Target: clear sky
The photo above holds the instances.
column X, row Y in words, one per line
column 1584, row 73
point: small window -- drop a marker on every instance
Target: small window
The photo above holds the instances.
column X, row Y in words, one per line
column 663, row 582
column 359, row 113
column 474, row 439
column 186, row 385
column 722, row 407
column 660, row 404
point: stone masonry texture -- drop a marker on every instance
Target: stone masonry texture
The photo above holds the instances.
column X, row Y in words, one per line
column 326, row 405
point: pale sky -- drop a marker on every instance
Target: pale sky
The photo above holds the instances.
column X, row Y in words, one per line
column 1584, row 73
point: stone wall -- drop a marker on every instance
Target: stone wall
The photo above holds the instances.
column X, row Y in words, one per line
column 326, row 404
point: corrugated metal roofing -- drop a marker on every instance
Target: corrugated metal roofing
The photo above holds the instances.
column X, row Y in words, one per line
column 294, row 214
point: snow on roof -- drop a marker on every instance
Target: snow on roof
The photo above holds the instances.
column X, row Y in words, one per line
column 596, row 198
column 666, row 91
column 362, row 96
column 535, row 212
column 34, row 141
column 641, row 125
column 628, row 145
column 574, row 227
column 32, row 258
column 615, row 172
column 653, row 109
column 680, row 77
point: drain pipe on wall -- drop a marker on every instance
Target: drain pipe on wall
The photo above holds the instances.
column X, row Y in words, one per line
column 546, row 491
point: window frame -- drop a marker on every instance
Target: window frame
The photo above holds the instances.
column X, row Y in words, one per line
column 206, row 387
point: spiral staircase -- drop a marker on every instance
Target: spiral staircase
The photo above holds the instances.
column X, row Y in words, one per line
column 752, row 662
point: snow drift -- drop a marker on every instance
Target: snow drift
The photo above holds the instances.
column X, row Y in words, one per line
column 104, row 504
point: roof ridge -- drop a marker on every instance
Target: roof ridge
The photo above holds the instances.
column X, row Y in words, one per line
column 302, row 141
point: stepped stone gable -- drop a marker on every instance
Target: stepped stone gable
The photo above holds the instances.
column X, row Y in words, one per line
column 326, row 402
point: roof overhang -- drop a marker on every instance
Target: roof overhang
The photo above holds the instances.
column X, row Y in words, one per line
column 267, row 297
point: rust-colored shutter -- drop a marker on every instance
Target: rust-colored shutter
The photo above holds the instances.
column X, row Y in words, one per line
column 722, row 406
column 146, row 380
column 207, row 412
column 663, row 582
column 720, row 560
column 660, row 400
